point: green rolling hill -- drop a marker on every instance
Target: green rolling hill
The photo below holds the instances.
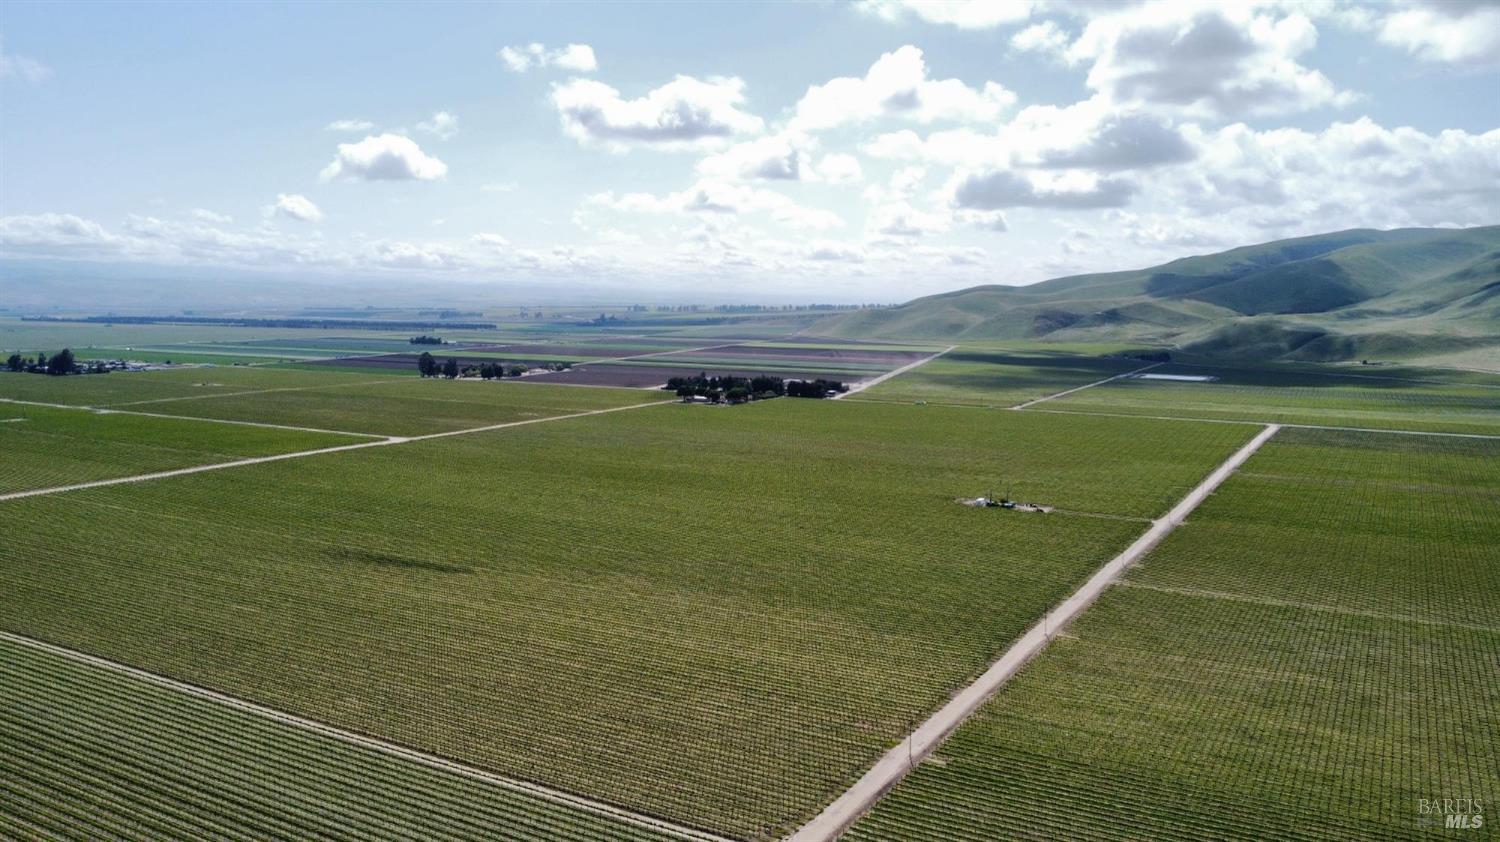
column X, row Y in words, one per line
column 1423, row 293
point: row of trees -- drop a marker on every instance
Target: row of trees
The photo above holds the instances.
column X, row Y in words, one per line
column 428, row 366
column 424, row 339
column 61, row 362
column 729, row 389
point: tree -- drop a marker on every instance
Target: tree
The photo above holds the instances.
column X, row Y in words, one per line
column 15, row 363
column 41, row 361
column 61, row 362
column 426, row 365
column 450, row 368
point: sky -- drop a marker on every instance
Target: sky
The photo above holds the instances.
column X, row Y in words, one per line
column 823, row 151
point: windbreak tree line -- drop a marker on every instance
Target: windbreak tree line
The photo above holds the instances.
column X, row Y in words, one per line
column 729, row 389
column 428, row 366
column 61, row 362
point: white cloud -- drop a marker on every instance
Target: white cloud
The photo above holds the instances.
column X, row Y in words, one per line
column 896, row 85
column 295, row 207
column 387, row 157
column 832, row 250
column 442, row 124
column 25, row 68
column 575, row 57
column 205, row 215
column 712, row 196
column 1045, row 39
column 683, row 113
column 775, row 158
column 1212, row 60
column 840, row 168
column 964, row 14
column 999, row 189
column 349, row 126
column 1452, row 32
column 900, row 219
column 52, row 229
column 499, row 187
column 490, row 240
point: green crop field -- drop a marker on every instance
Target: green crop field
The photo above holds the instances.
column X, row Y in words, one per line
column 122, row 387
column 719, row 616
column 91, row 753
column 51, row 447
column 996, row 378
column 1299, row 396
column 1308, row 657
column 402, row 406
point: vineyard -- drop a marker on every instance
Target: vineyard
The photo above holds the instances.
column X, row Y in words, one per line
column 593, row 605
column 1458, row 402
column 406, row 406
column 50, row 447
column 132, row 387
column 90, row 753
column 1307, row 657
column 997, row 378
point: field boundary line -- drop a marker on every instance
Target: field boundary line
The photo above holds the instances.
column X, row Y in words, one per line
column 1062, row 394
column 899, row 761
column 104, row 410
column 1287, row 424
column 863, row 385
column 1246, row 422
column 298, row 454
column 252, row 392
column 1305, row 606
column 506, row 424
column 656, row 354
column 393, row 749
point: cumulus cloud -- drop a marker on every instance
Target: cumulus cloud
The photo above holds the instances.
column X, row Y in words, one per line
column 490, row 240
column 1120, row 141
column 295, row 207
column 1226, row 60
column 578, row 58
column 964, row 14
column 1045, row 39
column 52, row 229
column 832, row 250
column 442, row 124
column 349, row 126
column 897, row 85
column 1000, row 189
column 685, row 112
column 776, row 158
column 24, row 68
column 900, row 219
column 711, row 196
column 840, row 168
column 205, row 215
column 387, row 157
column 1451, row 31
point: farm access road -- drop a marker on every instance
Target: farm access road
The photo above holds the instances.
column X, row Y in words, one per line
column 838, row 816
column 299, row 454
column 860, row 387
column 1087, row 386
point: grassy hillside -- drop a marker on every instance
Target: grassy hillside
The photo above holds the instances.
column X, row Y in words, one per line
column 1409, row 293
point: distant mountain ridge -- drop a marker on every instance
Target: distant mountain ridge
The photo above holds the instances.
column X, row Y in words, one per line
column 1407, row 293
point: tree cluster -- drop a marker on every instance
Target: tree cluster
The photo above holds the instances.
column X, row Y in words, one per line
column 59, row 363
column 729, row 389
column 428, row 366
column 424, row 339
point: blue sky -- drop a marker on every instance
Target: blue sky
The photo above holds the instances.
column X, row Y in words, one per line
column 811, row 151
